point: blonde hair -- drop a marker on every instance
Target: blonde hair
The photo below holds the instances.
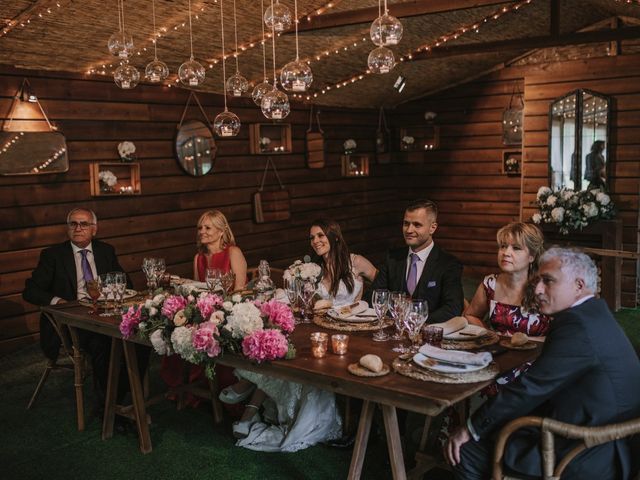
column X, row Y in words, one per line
column 219, row 221
column 529, row 236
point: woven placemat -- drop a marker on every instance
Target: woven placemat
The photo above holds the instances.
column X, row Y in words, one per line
column 506, row 343
column 360, row 371
column 489, row 339
column 126, row 303
column 409, row 369
column 332, row 324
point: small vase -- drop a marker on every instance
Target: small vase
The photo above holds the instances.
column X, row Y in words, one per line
column 349, row 151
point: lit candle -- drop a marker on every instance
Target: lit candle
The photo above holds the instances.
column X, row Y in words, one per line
column 319, row 343
column 226, row 131
column 298, row 86
column 339, row 343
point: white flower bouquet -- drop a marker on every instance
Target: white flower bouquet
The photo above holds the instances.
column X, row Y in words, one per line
column 303, row 271
column 349, row 145
column 571, row 210
column 127, row 151
column 407, row 142
column 108, row 180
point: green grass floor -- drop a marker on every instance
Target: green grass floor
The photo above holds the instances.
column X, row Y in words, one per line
column 43, row 443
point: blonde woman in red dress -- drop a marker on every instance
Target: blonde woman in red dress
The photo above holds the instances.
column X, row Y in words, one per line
column 216, row 249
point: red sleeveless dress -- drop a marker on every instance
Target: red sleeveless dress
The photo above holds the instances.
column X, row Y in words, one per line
column 172, row 369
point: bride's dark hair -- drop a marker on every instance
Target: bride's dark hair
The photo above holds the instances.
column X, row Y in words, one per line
column 339, row 265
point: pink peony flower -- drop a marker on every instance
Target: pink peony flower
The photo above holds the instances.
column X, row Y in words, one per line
column 279, row 315
column 207, row 304
column 204, row 339
column 264, row 345
column 172, row 304
column 130, row 321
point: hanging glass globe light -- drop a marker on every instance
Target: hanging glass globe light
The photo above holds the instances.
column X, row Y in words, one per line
column 120, row 44
column 226, row 124
column 277, row 17
column 275, row 105
column 191, row 73
column 381, row 60
column 296, row 76
column 386, row 30
column 236, row 85
column 156, row 71
column 126, row 76
column 260, row 91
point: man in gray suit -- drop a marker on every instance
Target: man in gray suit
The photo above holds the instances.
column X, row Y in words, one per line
column 587, row 374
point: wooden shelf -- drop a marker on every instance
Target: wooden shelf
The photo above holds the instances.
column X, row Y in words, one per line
column 128, row 175
column 279, row 135
column 355, row 165
column 511, row 162
column 425, row 137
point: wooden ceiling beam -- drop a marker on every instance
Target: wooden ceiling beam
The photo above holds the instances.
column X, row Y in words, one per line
column 531, row 43
column 398, row 10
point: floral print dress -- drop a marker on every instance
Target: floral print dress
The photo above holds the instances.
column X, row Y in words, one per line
column 506, row 320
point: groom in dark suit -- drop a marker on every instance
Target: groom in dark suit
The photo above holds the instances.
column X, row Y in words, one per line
column 587, row 374
column 61, row 276
column 424, row 270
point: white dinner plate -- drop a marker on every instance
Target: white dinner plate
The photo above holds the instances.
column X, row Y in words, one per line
column 442, row 367
column 470, row 332
column 364, row 315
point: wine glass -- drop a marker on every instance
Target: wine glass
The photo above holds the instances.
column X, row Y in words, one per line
column 396, row 306
column 380, row 301
column 106, row 284
column 149, row 269
column 159, row 268
column 213, row 278
column 414, row 321
column 228, row 281
column 120, row 288
column 307, row 292
column 292, row 289
column 93, row 290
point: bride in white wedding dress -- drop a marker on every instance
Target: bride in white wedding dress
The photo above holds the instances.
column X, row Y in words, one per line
column 297, row 416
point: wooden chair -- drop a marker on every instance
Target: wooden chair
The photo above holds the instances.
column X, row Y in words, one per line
column 590, row 436
column 70, row 359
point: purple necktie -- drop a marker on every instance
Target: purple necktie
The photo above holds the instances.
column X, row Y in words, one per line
column 87, row 274
column 412, row 278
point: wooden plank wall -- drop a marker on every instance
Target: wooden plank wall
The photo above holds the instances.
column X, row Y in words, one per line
column 95, row 116
column 618, row 77
column 464, row 175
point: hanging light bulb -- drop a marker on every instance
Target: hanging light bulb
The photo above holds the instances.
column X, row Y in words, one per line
column 386, row 30
column 296, row 76
column 275, row 105
column 120, row 43
column 260, row 91
column 156, row 71
column 277, row 17
column 236, row 84
column 381, row 60
column 226, row 124
column 191, row 73
column 126, row 76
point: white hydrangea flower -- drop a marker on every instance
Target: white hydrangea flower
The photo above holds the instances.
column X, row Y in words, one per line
column 590, row 209
column 159, row 344
column 237, row 298
column 244, row 319
column 153, row 311
column 181, row 341
column 567, row 194
column 603, row 198
column 227, row 305
column 543, row 191
column 158, row 299
column 551, row 201
column 537, row 218
column 557, row 214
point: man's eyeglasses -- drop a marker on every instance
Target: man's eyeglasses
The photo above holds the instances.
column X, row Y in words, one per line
column 81, row 225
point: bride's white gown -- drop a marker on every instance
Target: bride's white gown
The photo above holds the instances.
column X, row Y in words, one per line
column 306, row 415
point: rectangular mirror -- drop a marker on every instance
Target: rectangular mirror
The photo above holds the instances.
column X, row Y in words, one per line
column 33, row 153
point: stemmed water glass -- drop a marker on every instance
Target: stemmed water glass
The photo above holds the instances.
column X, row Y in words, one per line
column 93, row 290
column 292, row 289
column 213, row 278
column 228, row 281
column 149, row 269
column 380, row 302
column 415, row 318
column 397, row 301
column 159, row 268
column 307, row 291
column 120, row 288
column 106, row 283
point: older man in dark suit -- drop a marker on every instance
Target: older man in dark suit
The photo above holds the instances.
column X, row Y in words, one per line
column 587, row 374
column 61, row 276
column 424, row 270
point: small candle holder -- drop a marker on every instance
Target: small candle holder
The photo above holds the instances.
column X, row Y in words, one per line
column 319, row 343
column 339, row 343
column 433, row 335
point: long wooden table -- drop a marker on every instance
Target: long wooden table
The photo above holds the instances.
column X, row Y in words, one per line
column 330, row 373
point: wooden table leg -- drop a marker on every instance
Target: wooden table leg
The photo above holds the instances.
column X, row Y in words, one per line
column 78, row 376
column 393, row 442
column 135, row 383
column 115, row 363
column 215, row 401
column 362, row 438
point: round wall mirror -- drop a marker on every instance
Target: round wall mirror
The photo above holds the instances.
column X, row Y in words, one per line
column 195, row 148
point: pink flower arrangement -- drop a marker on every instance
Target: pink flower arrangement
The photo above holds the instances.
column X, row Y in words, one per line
column 207, row 304
column 172, row 304
column 262, row 345
column 279, row 315
column 130, row 321
column 204, row 339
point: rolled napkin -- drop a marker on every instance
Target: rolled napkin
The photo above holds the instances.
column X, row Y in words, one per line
column 323, row 304
column 455, row 356
column 452, row 325
column 347, row 311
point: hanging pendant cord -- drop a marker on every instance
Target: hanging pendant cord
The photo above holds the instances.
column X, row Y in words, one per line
column 273, row 47
column 190, row 32
column 155, row 33
column 224, row 68
column 295, row 14
column 121, row 18
column 386, row 10
column 380, row 21
column 264, row 48
column 235, row 33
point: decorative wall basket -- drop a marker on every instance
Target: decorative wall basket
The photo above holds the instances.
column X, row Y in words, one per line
column 272, row 205
column 383, row 139
column 512, row 119
column 315, row 143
